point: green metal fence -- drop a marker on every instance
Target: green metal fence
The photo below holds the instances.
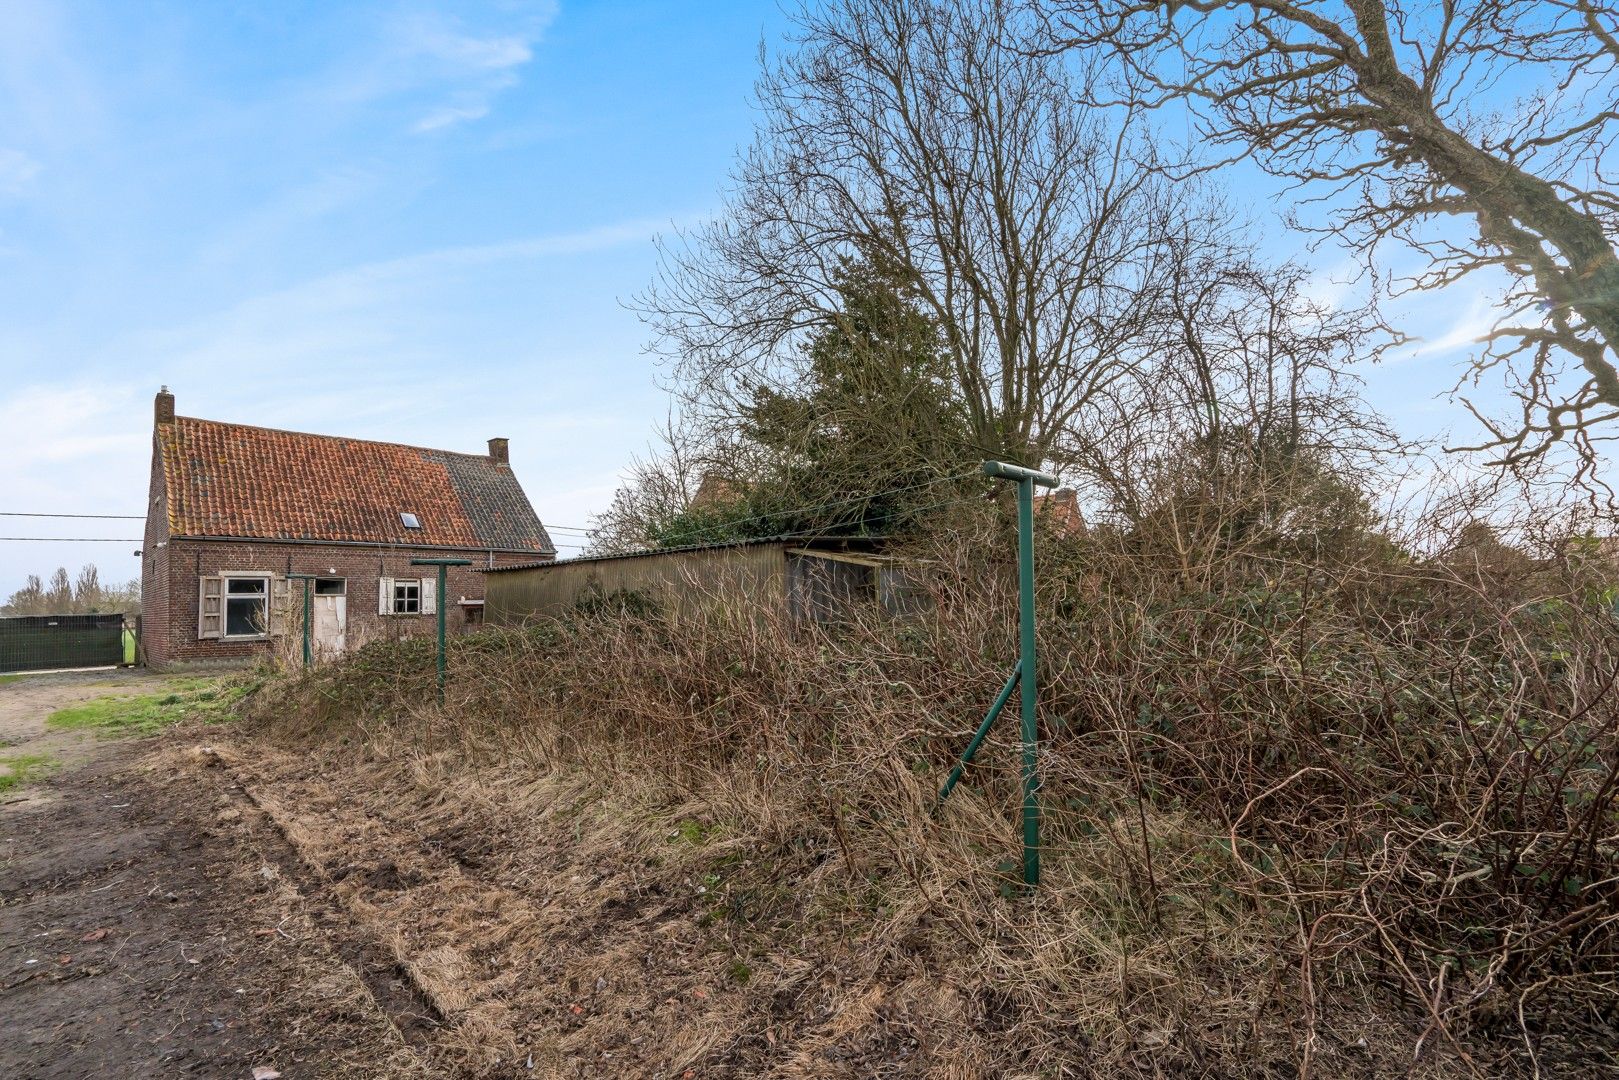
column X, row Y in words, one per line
column 46, row 642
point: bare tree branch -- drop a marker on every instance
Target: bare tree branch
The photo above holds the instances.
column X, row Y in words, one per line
column 931, row 137
column 1501, row 110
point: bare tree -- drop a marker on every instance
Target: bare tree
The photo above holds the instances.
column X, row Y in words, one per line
column 658, row 487
column 1250, row 407
column 66, row 596
column 929, row 136
column 88, row 594
column 28, row 600
column 1497, row 111
column 59, row 594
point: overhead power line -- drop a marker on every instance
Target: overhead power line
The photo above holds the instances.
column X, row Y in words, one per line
column 119, row 517
column 794, row 511
column 72, row 539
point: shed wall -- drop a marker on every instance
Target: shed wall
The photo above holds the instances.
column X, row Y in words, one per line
column 756, row 572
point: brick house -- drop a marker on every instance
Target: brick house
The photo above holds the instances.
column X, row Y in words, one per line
column 233, row 509
column 1060, row 511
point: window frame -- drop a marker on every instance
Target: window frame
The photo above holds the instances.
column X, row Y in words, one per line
column 262, row 598
column 411, row 584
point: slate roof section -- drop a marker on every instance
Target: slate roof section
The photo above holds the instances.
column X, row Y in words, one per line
column 236, row 480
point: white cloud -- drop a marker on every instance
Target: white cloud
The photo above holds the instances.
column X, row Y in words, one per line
column 60, row 424
column 442, row 40
column 377, row 331
column 79, row 447
column 1466, row 330
column 470, row 69
column 443, row 69
column 448, row 115
column 260, row 228
column 1335, row 286
column 17, row 171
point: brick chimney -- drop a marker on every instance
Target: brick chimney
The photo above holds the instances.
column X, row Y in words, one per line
column 163, row 407
column 498, row 451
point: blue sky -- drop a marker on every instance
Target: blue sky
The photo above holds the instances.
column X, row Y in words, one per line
column 402, row 221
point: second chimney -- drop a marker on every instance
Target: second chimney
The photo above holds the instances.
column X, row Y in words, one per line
column 498, row 452
column 163, row 406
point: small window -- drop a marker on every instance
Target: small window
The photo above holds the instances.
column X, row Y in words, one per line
column 410, row 521
column 330, row 586
column 247, row 607
column 407, row 598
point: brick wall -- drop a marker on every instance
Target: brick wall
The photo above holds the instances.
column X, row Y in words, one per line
column 154, row 637
column 172, row 612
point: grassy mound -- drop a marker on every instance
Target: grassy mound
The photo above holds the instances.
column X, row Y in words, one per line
column 1355, row 818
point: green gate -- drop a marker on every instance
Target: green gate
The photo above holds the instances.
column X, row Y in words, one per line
column 47, row 642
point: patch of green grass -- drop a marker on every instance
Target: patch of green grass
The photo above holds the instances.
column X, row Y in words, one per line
column 146, row 714
column 20, row 768
column 129, row 647
column 688, row 831
column 6, row 680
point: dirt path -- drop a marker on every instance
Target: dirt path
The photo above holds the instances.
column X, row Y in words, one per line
column 148, row 926
column 26, row 703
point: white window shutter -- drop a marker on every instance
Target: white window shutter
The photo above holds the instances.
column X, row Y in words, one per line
column 385, row 596
column 280, row 604
column 210, row 606
column 429, row 595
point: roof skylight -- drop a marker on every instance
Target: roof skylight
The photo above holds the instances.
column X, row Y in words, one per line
column 410, row 521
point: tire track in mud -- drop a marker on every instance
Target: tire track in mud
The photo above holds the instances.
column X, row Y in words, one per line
column 411, row 1013
column 560, row 956
column 413, row 912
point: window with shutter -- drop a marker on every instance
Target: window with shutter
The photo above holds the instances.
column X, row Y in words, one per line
column 407, row 593
column 385, row 596
column 429, row 595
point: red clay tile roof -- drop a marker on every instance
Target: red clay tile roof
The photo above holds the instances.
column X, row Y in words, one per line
column 241, row 481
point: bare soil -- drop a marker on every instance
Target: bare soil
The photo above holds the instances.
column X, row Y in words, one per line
column 139, row 937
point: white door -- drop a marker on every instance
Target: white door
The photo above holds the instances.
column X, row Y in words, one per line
column 330, row 625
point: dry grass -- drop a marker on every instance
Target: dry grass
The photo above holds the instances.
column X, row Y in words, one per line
column 1354, row 819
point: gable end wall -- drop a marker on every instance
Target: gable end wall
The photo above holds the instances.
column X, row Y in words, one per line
column 154, row 627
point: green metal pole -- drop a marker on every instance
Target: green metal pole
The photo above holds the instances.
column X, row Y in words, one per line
column 439, row 603
column 1026, row 667
column 1026, row 479
column 443, row 566
column 309, row 618
column 978, row 736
